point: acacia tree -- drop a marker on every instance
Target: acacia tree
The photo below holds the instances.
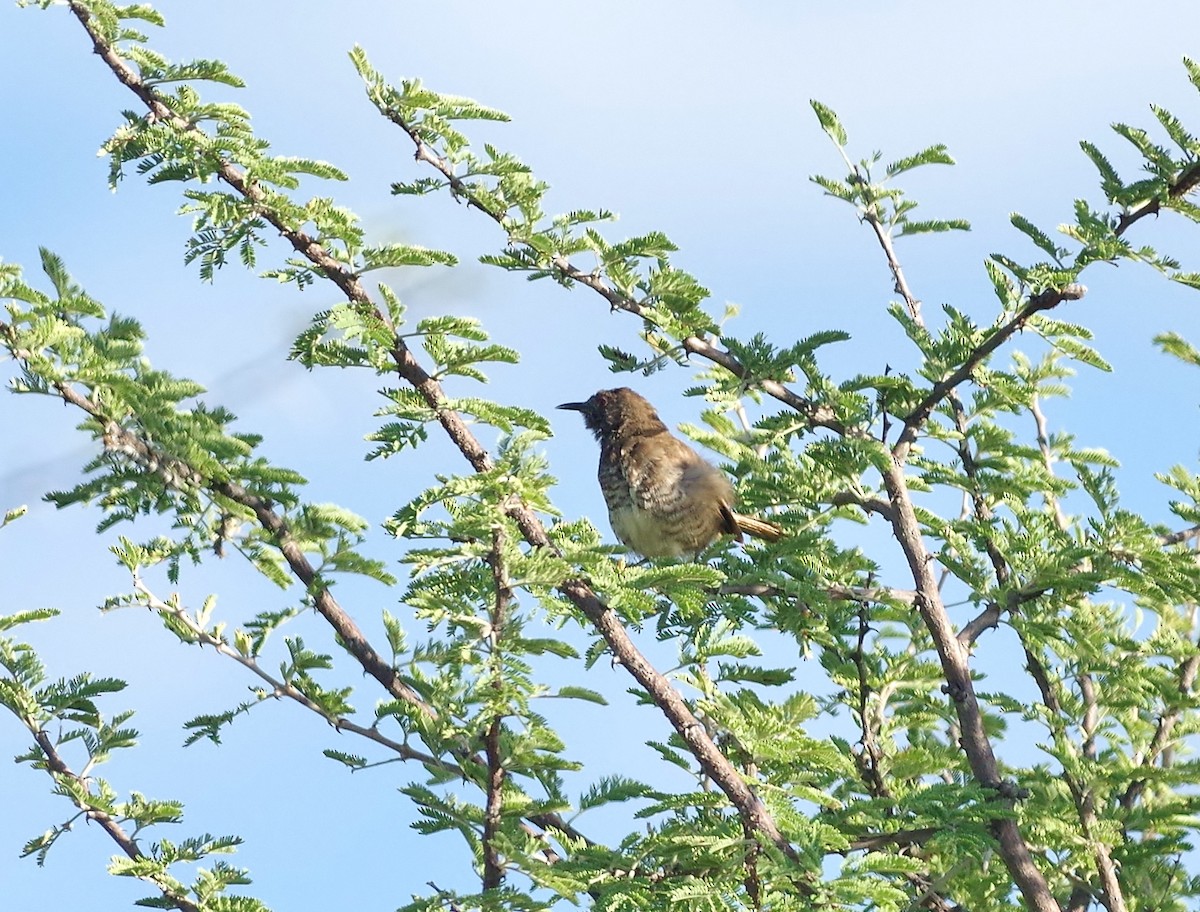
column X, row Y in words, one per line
column 917, row 784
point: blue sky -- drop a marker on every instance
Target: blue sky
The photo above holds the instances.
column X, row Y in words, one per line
column 690, row 118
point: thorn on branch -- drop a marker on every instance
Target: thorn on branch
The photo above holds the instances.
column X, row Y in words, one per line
column 955, row 692
column 1009, row 790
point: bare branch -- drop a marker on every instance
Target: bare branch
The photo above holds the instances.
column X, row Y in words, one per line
column 1183, row 535
column 884, row 236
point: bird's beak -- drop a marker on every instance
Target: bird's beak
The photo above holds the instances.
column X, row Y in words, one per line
column 574, row 406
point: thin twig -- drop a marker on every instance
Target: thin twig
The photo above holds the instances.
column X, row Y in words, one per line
column 880, row 594
column 493, row 866
column 884, row 236
column 57, row 767
column 1043, row 441
column 280, row 689
column 1046, row 300
column 1111, row 894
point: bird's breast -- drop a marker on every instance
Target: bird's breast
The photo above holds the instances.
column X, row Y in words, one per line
column 663, row 499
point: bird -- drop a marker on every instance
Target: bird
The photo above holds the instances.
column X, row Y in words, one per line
column 664, row 499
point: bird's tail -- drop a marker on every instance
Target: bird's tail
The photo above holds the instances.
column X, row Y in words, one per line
column 759, row 528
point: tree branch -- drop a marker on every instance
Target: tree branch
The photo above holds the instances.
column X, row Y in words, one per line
column 954, row 661
column 712, row 761
column 835, row 591
column 178, row 474
column 1111, row 894
column 1187, row 181
column 57, row 767
column 1046, row 300
column 816, row 414
column 884, row 237
column 952, row 653
column 876, row 505
column 1162, row 732
column 281, row 689
column 493, row 865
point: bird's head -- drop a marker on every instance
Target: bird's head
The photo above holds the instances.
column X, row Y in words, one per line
column 617, row 411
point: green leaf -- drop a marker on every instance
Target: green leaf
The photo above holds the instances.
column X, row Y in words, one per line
column 397, row 255
column 829, row 123
column 934, row 155
column 1039, row 237
column 1175, row 345
column 610, row 789
column 353, row 761
column 572, row 692
column 932, row 226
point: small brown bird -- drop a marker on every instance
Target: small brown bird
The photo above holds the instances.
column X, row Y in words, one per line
column 664, row 499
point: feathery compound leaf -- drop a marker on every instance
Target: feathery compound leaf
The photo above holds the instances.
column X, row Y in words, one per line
column 353, row 761
column 8, row 621
column 1039, row 237
column 1193, row 71
column 1110, row 181
column 1174, row 344
column 1158, row 160
column 829, row 122
column 835, row 188
column 932, row 226
column 574, row 692
column 1190, row 279
column 934, row 155
column 1175, row 129
column 396, row 255
column 610, row 789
